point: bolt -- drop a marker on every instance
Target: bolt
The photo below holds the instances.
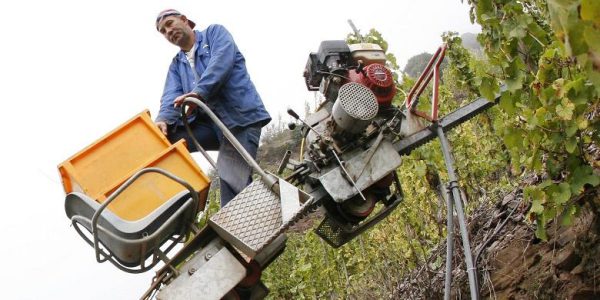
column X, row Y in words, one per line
column 208, row 256
column 191, row 271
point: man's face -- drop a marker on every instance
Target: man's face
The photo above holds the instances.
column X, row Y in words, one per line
column 175, row 29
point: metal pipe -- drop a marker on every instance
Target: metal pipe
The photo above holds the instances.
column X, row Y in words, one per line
column 194, row 140
column 427, row 69
column 302, row 149
column 453, row 185
column 284, row 161
column 449, row 245
column 269, row 180
column 76, row 220
column 436, row 83
column 431, row 71
column 419, row 90
column 356, row 32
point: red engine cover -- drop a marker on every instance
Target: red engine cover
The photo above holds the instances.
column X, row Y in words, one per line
column 377, row 78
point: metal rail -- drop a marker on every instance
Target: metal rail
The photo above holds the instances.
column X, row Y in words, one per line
column 449, row 121
column 432, row 70
column 113, row 196
column 454, row 194
column 186, row 123
column 406, row 145
column 269, row 180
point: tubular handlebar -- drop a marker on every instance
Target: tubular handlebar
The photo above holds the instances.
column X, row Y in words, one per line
column 269, row 180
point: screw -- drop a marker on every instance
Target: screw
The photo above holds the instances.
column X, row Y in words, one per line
column 208, row 256
column 191, row 271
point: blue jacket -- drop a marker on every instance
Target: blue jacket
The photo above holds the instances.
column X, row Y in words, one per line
column 224, row 82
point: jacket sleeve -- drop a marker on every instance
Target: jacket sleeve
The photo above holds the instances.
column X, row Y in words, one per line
column 222, row 58
column 173, row 88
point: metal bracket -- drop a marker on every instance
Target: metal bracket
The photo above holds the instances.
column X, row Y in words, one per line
column 385, row 160
column 337, row 234
column 209, row 274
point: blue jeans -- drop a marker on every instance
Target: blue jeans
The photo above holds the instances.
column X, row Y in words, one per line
column 234, row 173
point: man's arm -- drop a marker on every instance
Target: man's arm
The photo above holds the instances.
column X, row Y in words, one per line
column 222, row 57
column 167, row 113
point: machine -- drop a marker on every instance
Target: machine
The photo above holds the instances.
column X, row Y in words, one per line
column 352, row 147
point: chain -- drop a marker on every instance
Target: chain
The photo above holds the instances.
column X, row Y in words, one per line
column 310, row 206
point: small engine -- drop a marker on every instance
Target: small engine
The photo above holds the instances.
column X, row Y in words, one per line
column 378, row 79
column 348, row 139
column 355, row 79
column 337, row 63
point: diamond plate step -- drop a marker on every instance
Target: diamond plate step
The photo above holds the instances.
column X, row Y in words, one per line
column 257, row 215
column 250, row 218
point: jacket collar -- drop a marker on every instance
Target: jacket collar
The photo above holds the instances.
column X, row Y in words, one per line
column 181, row 54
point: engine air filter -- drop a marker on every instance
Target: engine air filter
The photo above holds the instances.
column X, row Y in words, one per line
column 355, row 107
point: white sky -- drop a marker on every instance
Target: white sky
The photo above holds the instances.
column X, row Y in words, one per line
column 70, row 71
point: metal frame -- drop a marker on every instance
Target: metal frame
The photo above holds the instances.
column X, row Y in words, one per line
column 437, row 129
column 168, row 272
column 158, row 255
column 431, row 71
column 337, row 234
column 271, row 182
column 405, row 145
column 272, row 245
column 454, row 196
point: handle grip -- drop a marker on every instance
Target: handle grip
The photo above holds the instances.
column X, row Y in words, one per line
column 292, row 113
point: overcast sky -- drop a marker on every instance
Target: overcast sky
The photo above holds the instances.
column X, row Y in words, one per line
column 70, row 71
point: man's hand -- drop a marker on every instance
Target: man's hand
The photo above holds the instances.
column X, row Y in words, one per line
column 190, row 106
column 162, row 126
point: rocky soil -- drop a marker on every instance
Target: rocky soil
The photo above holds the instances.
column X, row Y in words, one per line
column 512, row 263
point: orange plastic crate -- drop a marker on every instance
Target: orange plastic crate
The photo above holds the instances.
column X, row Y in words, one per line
column 102, row 167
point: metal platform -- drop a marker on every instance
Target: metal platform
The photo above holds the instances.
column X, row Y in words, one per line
column 257, row 215
column 250, row 218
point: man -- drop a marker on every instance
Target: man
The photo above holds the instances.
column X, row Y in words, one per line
column 210, row 67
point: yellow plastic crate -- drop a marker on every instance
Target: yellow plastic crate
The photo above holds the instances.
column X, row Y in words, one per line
column 99, row 169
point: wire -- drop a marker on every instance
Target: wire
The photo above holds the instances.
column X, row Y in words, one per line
column 334, row 74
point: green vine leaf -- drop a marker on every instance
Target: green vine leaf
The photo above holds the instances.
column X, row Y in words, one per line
column 568, row 214
column 540, row 231
column 507, row 103
column 484, row 7
column 590, row 11
column 571, row 144
column 592, row 37
column 537, row 198
column 577, row 42
column 582, row 176
column 572, row 129
column 516, row 75
column 565, row 109
column 563, row 194
column 512, row 138
column 488, row 88
column 536, row 206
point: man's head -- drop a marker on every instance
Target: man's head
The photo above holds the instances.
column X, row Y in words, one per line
column 176, row 28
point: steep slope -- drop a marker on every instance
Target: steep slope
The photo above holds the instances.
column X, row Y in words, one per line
column 512, row 263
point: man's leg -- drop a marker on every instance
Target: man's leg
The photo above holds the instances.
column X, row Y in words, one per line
column 234, row 171
column 205, row 133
